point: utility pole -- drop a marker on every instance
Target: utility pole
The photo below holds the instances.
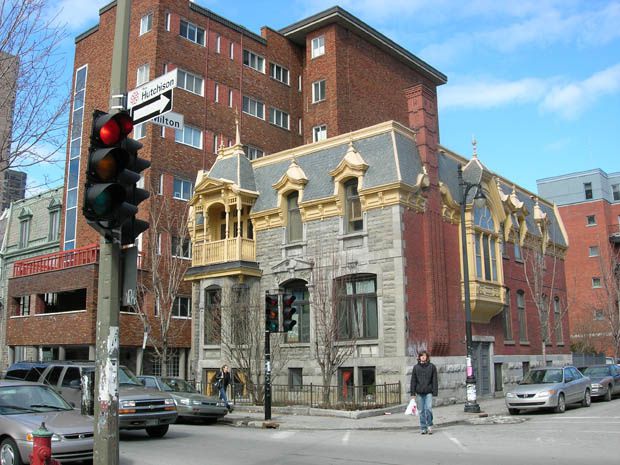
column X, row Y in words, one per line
column 106, row 449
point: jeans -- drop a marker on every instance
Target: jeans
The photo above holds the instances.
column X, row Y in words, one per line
column 425, row 409
column 224, row 397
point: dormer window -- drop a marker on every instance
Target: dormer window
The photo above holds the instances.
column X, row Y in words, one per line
column 354, row 220
column 293, row 226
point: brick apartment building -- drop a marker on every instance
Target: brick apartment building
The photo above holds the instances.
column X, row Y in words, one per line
column 589, row 203
column 322, row 82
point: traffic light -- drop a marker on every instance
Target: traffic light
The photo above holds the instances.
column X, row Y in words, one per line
column 271, row 313
column 287, row 312
column 111, row 197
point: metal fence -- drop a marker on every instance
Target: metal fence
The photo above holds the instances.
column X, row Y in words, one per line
column 332, row 397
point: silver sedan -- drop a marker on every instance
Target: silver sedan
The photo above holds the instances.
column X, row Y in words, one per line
column 550, row 387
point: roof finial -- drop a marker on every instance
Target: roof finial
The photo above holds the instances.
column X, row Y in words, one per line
column 475, row 146
column 237, row 133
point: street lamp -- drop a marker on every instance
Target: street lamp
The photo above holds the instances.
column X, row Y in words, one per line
column 471, row 405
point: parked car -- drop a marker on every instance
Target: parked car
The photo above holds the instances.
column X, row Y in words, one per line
column 139, row 407
column 550, row 387
column 190, row 403
column 24, row 406
column 25, row 371
column 605, row 380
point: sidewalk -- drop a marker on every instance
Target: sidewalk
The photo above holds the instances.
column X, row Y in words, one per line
column 302, row 418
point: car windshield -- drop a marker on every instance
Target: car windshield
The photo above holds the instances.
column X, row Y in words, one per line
column 597, row 371
column 29, row 399
column 126, row 377
column 179, row 385
column 543, row 377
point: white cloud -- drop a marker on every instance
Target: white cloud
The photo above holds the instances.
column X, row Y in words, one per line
column 491, row 93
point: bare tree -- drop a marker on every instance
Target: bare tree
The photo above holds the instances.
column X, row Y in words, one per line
column 33, row 100
column 335, row 329
column 166, row 254
column 609, row 298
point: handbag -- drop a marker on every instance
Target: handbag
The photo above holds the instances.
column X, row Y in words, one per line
column 218, row 384
column 412, row 408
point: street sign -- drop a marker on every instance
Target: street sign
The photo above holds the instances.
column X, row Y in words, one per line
column 152, row 108
column 152, row 89
column 170, row 120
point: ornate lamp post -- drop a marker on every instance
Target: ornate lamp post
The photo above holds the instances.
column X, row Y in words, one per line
column 471, row 405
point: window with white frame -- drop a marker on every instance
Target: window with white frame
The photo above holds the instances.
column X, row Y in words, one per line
column 253, row 152
column 216, row 145
column 230, row 98
column 159, row 241
column 318, row 91
column 190, row 82
column 182, row 307
column 146, row 23
column 279, row 73
column 192, row 32
column 54, row 227
column 279, row 118
column 253, row 107
column 231, row 50
column 596, row 282
column 139, row 131
column 168, row 17
column 216, row 93
column 299, row 88
column 23, row 303
column 593, row 251
column 143, row 74
column 356, row 300
column 160, row 185
column 485, row 244
column 591, row 220
column 181, row 247
column 615, row 191
column 182, row 189
column 189, row 135
column 254, row 61
column 318, row 46
column 319, row 133
column 294, row 226
column 354, row 220
column 218, row 43
column 299, row 127
column 587, row 190
column 24, row 233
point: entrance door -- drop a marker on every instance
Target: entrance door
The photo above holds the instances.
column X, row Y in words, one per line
column 482, row 367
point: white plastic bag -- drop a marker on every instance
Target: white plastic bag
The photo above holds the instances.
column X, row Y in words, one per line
column 412, row 408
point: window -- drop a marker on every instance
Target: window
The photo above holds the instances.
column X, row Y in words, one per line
column 216, row 93
column 181, row 247
column 231, row 51
column 587, row 190
column 318, row 91
column 507, row 318
column 253, row 107
column 24, row 233
column 139, row 131
column 522, row 316
column 149, row 382
column 615, row 191
column 218, row 43
column 591, row 220
column 181, row 308
column 190, row 82
column 485, row 244
column 254, row 61
column 230, row 98
column 498, row 377
column 318, row 46
column 146, row 23
column 143, row 74
column 295, row 379
column 593, row 251
column 213, row 315
column 544, row 320
column 299, row 127
column 557, row 319
column 159, row 240
column 299, row 88
column 54, row 228
column 189, row 136
column 301, row 331
column 279, row 73
column 598, row 314
column 53, row 376
column 168, row 21
column 160, row 185
column 253, row 152
column 596, row 282
column 357, row 307
column 72, row 374
column 192, row 32
column 279, row 118
column 182, row 189
column 319, row 133
column 23, row 303
column 354, row 220
column 517, row 237
column 294, row 227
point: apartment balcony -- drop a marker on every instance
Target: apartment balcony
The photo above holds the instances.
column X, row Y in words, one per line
column 227, row 250
column 614, row 234
column 56, row 261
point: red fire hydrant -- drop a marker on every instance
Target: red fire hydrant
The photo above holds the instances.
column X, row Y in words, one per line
column 42, row 447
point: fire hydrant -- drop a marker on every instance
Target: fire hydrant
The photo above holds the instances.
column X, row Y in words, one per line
column 42, row 447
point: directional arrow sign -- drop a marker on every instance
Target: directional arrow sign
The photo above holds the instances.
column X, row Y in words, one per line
column 152, row 108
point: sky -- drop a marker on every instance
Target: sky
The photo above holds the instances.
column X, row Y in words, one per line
column 535, row 82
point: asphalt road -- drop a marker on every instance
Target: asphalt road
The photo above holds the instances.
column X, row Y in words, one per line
column 579, row 436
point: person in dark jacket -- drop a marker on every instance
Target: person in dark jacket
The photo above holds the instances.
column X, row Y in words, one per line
column 424, row 385
column 222, row 382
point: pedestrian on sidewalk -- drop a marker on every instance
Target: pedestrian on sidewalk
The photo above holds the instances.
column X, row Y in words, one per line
column 222, row 382
column 424, row 385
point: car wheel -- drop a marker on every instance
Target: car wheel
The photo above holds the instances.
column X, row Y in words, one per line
column 587, row 399
column 513, row 411
column 9, row 453
column 561, row 407
column 607, row 397
column 157, row 431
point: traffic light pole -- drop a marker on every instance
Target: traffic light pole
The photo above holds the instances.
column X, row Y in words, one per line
column 106, row 448
column 267, row 375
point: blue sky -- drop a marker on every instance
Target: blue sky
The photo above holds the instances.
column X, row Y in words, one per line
column 537, row 82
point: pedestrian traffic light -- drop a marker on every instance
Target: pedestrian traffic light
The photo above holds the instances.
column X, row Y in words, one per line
column 287, row 312
column 271, row 313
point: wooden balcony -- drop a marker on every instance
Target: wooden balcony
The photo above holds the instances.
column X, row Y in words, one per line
column 56, row 261
column 227, row 250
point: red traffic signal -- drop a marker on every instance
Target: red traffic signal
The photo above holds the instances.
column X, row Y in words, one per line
column 271, row 313
column 111, row 129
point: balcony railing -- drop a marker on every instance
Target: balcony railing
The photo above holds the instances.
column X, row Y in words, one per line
column 227, row 250
column 56, row 261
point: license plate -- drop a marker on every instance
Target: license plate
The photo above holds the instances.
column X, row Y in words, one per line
column 152, row 422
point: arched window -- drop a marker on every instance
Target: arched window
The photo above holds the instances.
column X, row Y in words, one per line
column 293, row 224
column 354, row 220
column 485, row 242
column 356, row 298
column 301, row 331
column 213, row 315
